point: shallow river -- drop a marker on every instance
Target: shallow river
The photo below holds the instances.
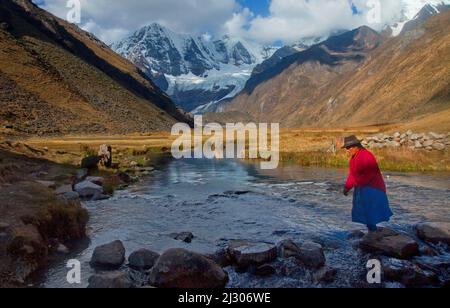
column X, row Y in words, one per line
column 291, row 202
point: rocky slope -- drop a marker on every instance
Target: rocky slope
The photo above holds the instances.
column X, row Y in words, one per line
column 58, row 79
column 358, row 78
column 195, row 71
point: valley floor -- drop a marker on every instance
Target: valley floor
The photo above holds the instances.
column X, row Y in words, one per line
column 305, row 147
column 31, row 168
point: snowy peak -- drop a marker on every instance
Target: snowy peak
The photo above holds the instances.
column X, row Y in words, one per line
column 161, row 50
column 196, row 71
column 417, row 12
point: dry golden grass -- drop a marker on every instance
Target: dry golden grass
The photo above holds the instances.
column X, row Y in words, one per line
column 306, row 147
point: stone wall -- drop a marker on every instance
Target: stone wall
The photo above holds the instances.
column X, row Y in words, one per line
column 413, row 141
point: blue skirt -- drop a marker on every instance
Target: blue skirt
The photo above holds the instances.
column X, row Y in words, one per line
column 370, row 206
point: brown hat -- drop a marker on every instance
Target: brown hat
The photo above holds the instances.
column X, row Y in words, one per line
column 351, row 142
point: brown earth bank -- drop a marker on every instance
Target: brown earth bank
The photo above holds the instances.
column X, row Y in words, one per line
column 34, row 221
column 43, row 184
column 56, row 79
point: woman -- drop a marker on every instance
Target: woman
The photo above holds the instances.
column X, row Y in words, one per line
column 370, row 201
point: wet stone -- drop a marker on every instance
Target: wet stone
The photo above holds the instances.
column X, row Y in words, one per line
column 246, row 253
column 186, row 237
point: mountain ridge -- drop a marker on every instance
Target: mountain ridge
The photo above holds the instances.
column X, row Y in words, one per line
column 316, row 93
column 194, row 71
column 65, row 68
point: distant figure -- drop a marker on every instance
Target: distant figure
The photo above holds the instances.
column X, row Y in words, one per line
column 105, row 154
column 370, row 201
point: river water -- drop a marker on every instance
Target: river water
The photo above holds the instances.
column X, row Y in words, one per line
column 221, row 200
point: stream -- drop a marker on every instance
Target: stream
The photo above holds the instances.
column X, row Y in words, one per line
column 221, row 200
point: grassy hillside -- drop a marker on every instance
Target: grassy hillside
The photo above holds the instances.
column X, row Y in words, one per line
column 58, row 79
column 403, row 80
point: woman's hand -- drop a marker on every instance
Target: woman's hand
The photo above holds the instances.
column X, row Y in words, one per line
column 346, row 192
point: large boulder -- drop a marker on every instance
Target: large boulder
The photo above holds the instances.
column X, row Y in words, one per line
column 390, row 243
column 110, row 280
column 311, row 255
column 221, row 257
column 408, row 273
column 436, row 232
column 111, row 255
column 180, row 268
column 143, row 259
column 90, row 162
column 288, row 248
column 245, row 253
column 265, row 270
column 324, row 275
column 72, row 196
column 28, row 250
column 87, row 189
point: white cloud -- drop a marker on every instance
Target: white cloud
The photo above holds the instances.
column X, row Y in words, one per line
column 110, row 20
column 288, row 21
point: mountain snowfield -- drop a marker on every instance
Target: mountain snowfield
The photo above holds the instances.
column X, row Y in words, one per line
column 198, row 71
column 201, row 74
column 411, row 10
column 412, row 7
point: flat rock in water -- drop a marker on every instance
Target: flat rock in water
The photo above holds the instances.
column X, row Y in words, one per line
column 265, row 270
column 390, row 243
column 186, row 237
column 438, row 232
column 111, row 280
column 246, row 253
column 288, row 248
column 88, row 189
column 72, row 196
column 143, row 259
column 221, row 257
column 64, row 189
column 111, row 255
column 408, row 273
column 311, row 255
column 324, row 275
column 180, row 268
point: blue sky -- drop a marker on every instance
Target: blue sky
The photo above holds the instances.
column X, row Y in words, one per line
column 258, row 7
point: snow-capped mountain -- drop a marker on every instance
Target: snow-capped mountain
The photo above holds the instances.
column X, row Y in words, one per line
column 414, row 11
column 195, row 71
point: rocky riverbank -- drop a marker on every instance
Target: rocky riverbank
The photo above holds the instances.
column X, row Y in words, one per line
column 35, row 221
column 41, row 209
column 406, row 262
